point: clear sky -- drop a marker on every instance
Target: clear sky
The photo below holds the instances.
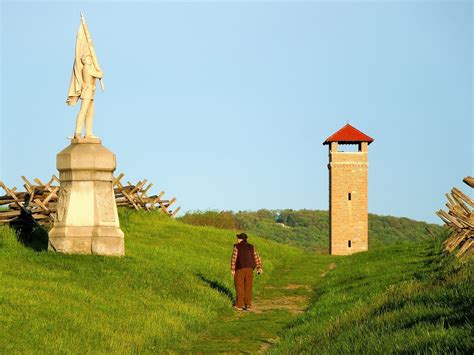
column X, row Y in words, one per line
column 225, row 105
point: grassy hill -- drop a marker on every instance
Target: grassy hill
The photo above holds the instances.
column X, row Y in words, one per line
column 403, row 298
column 173, row 292
column 166, row 294
column 308, row 229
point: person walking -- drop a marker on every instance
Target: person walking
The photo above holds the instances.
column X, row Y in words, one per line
column 244, row 260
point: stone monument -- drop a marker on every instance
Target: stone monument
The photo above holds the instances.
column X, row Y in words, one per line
column 348, row 192
column 86, row 220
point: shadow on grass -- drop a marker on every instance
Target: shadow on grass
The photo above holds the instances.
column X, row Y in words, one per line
column 30, row 233
column 217, row 286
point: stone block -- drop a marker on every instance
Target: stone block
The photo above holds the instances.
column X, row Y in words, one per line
column 86, row 221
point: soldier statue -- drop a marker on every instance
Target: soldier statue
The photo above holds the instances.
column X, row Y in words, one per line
column 86, row 113
column 84, row 74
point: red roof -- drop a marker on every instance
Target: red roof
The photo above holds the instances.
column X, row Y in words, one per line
column 348, row 135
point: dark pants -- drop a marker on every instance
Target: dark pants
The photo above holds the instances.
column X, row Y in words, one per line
column 243, row 280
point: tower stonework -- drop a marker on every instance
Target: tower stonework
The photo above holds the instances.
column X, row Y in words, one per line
column 348, row 192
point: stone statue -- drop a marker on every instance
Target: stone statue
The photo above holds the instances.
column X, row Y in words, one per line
column 87, row 221
column 85, row 71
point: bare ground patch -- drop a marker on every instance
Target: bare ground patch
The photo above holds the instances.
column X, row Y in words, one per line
column 292, row 304
column 295, row 287
column 331, row 266
column 267, row 344
column 291, row 287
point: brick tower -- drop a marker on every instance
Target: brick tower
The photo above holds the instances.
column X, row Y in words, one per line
column 348, row 192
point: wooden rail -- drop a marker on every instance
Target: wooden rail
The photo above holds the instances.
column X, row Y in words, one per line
column 460, row 219
column 38, row 200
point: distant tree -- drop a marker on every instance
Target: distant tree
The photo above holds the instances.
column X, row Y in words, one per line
column 263, row 213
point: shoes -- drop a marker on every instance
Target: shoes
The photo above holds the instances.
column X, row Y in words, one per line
column 244, row 308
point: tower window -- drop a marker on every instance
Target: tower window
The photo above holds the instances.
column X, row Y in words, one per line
column 349, row 243
column 349, row 196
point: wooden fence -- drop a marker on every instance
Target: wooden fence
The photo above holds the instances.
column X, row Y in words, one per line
column 460, row 219
column 37, row 202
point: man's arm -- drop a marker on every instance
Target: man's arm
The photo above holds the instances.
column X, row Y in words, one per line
column 233, row 260
column 258, row 261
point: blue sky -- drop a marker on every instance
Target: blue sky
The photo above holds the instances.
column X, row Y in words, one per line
column 225, row 105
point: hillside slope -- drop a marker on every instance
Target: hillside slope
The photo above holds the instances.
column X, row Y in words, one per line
column 167, row 293
column 403, row 298
column 309, row 229
column 173, row 292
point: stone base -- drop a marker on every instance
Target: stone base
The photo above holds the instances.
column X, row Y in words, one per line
column 90, row 140
column 86, row 221
column 107, row 241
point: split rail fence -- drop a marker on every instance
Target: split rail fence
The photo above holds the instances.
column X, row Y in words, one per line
column 37, row 202
column 460, row 220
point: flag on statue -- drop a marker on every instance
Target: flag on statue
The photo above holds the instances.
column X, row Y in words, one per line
column 84, row 46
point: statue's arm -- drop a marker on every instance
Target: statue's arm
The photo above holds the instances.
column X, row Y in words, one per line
column 96, row 73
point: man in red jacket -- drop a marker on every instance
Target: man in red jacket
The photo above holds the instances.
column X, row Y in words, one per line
column 244, row 260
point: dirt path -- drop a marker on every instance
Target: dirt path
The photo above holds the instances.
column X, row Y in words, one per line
column 296, row 305
column 281, row 301
column 292, row 304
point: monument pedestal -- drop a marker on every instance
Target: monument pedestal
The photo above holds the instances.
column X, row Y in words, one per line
column 86, row 221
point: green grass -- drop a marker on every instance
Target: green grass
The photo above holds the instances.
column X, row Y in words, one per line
column 404, row 298
column 166, row 294
column 173, row 292
column 276, row 304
